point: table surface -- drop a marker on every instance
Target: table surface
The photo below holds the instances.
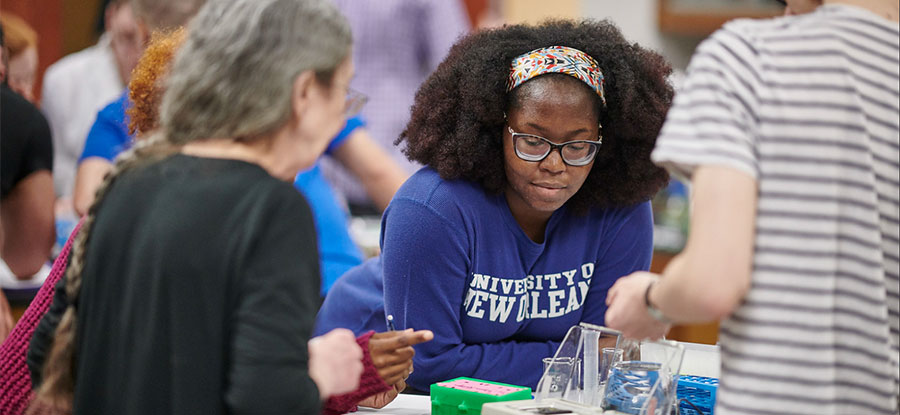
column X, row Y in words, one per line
column 403, row 405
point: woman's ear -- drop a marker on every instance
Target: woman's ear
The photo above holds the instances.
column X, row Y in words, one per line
column 302, row 91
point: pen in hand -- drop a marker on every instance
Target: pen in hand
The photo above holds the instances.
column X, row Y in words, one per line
column 390, row 322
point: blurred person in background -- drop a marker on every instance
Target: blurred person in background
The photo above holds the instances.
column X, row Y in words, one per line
column 26, row 186
column 398, row 44
column 26, row 163
column 21, row 45
column 789, row 130
column 108, row 135
column 213, row 182
column 80, row 84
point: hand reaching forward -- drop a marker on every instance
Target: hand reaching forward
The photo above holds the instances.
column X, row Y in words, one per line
column 627, row 310
column 335, row 362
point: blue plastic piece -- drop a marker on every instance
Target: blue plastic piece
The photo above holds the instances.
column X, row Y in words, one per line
column 700, row 391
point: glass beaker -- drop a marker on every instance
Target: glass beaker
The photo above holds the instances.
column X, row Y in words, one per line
column 562, row 372
column 609, row 356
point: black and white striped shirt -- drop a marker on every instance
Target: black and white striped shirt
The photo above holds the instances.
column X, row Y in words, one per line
column 808, row 106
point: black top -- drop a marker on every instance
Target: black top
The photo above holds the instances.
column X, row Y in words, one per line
column 25, row 144
column 200, row 289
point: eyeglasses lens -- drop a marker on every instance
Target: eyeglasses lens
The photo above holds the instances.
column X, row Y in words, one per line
column 355, row 102
column 533, row 148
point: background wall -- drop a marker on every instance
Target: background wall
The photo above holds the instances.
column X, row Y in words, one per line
column 638, row 20
column 66, row 26
column 533, row 11
column 63, row 27
column 79, row 24
column 45, row 17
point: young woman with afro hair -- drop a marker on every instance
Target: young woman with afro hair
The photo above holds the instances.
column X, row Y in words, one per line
column 534, row 198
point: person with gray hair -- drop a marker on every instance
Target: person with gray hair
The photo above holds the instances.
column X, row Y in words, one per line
column 208, row 303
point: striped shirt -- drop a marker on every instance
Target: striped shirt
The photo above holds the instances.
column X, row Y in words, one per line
column 808, row 106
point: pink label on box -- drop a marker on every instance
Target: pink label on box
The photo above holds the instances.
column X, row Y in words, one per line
column 479, row 387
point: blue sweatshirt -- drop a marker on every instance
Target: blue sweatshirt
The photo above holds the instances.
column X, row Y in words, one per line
column 355, row 301
column 455, row 261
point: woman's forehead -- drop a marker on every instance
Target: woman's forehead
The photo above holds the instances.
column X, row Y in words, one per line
column 548, row 95
column 547, row 108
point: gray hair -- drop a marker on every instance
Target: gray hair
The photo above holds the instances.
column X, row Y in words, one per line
column 165, row 14
column 233, row 77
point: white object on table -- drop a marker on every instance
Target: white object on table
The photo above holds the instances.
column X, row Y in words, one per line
column 699, row 359
column 403, row 405
column 529, row 407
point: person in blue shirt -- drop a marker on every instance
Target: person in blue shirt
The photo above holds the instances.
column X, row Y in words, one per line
column 534, row 199
column 107, row 137
column 337, row 250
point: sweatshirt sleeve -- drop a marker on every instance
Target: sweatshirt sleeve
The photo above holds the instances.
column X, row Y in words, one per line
column 426, row 262
column 276, row 301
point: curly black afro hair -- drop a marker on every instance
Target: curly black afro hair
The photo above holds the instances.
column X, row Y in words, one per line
column 458, row 115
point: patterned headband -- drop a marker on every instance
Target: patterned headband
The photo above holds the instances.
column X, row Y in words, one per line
column 556, row 59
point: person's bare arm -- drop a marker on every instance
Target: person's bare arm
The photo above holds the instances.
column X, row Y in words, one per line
column 88, row 179
column 714, row 269
column 710, row 278
column 29, row 231
column 374, row 167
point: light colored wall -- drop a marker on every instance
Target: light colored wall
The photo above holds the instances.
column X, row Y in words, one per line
column 638, row 21
column 636, row 18
column 533, row 11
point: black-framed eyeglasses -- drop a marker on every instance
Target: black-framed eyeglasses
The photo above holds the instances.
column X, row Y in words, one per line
column 531, row 147
column 355, row 102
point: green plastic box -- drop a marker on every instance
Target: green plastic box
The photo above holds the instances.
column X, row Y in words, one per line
column 464, row 396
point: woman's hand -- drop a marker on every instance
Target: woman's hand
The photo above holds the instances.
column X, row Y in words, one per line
column 335, row 362
column 392, row 353
column 380, row 400
column 627, row 310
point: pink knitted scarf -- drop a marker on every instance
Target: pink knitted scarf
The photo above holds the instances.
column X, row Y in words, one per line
column 15, row 381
